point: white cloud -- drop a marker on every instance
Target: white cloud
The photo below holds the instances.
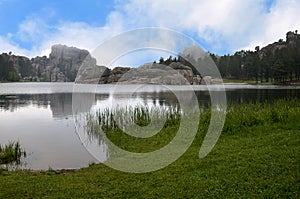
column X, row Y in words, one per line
column 138, row 45
column 42, row 37
column 80, row 35
column 227, row 25
column 8, row 46
column 284, row 16
column 32, row 30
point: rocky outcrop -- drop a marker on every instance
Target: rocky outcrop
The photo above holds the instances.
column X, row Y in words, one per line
column 73, row 64
column 66, row 61
column 151, row 73
column 39, row 68
column 292, row 38
column 116, row 74
column 156, row 74
column 93, row 75
column 61, row 66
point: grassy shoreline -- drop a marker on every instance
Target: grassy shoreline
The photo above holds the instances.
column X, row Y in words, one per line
column 253, row 82
column 225, row 81
column 257, row 156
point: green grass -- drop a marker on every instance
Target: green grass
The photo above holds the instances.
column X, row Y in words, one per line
column 257, row 156
column 239, row 81
column 21, row 80
column 254, row 82
column 11, row 153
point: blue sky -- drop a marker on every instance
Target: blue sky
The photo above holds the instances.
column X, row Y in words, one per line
column 13, row 12
column 220, row 26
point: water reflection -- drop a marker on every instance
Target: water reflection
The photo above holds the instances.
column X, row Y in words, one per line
column 44, row 125
column 44, row 122
column 260, row 95
column 60, row 103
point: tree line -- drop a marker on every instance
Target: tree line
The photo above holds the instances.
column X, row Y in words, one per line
column 276, row 63
column 7, row 70
column 279, row 65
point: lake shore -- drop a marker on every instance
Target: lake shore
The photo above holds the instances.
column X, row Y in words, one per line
column 253, row 82
column 256, row 156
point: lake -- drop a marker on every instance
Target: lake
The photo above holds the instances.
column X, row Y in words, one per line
column 41, row 115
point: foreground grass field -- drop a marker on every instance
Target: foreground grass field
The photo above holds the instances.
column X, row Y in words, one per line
column 257, row 156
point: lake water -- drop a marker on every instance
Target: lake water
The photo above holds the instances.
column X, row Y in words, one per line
column 41, row 115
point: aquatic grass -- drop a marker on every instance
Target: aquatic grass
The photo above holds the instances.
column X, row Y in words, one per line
column 11, row 153
column 122, row 118
column 161, row 122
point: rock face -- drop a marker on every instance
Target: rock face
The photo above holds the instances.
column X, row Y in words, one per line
column 65, row 62
column 174, row 74
column 93, row 75
column 184, row 70
column 116, row 74
column 291, row 39
column 151, row 73
column 73, row 64
column 61, row 66
column 13, row 68
column 155, row 74
column 40, row 68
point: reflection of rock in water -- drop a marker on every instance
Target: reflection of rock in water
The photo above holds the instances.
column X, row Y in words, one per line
column 7, row 103
column 82, row 102
column 61, row 105
column 13, row 102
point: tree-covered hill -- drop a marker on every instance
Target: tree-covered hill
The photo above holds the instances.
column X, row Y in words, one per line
column 278, row 62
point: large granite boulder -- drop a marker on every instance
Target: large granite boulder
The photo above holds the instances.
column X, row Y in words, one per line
column 93, row 75
column 154, row 74
column 184, row 70
column 116, row 74
column 70, row 59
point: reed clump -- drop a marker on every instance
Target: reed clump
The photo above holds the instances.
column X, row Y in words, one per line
column 11, row 153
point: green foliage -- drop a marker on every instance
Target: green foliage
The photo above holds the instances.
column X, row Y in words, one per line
column 11, row 153
column 279, row 64
column 7, row 70
column 13, row 76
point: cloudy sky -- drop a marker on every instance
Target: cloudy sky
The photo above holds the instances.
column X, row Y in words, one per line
column 220, row 26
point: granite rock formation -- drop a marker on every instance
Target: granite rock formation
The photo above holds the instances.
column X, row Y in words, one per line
column 151, row 73
column 61, row 66
column 72, row 64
